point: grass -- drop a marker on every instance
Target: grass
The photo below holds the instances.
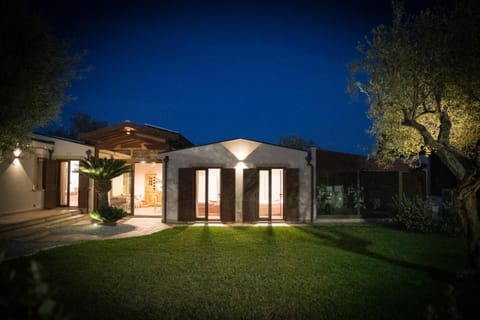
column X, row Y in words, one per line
column 256, row 273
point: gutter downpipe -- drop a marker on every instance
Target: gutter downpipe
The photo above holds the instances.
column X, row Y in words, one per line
column 165, row 176
column 309, row 163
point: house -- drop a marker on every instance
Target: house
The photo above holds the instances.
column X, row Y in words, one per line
column 237, row 180
column 44, row 176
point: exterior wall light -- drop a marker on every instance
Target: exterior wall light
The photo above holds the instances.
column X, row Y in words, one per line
column 17, row 152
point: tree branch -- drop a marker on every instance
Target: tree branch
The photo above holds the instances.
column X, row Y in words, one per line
column 470, row 184
column 445, row 127
column 415, row 99
column 476, row 155
column 450, row 158
column 424, row 113
column 421, row 129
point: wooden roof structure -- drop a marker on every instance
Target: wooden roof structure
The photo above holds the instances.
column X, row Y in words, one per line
column 129, row 137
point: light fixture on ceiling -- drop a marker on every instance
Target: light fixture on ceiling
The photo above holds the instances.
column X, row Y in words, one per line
column 128, row 130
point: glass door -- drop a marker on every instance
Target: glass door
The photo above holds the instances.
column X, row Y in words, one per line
column 277, row 194
column 207, row 194
column 271, row 198
column 69, row 183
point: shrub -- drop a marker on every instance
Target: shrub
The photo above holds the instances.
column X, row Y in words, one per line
column 413, row 214
column 108, row 214
column 416, row 215
column 448, row 221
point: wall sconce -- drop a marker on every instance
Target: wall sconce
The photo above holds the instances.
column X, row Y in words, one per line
column 17, row 152
column 308, row 158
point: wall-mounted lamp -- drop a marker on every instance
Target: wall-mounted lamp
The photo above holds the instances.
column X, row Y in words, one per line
column 241, row 165
column 308, row 158
column 17, row 152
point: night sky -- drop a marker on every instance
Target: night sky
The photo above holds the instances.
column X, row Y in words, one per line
column 221, row 70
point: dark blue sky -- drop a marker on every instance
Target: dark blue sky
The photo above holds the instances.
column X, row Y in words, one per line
column 221, row 70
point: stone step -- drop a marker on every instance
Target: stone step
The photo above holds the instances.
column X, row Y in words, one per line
column 45, row 231
column 41, row 229
column 18, row 223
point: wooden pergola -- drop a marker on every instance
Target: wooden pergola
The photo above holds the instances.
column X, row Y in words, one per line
column 138, row 142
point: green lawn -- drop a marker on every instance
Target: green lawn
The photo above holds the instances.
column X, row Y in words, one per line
column 339, row 272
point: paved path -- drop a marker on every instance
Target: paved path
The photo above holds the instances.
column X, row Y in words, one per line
column 61, row 236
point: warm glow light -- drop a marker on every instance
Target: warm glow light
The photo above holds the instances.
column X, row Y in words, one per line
column 241, row 148
column 17, row 152
column 241, row 165
column 128, row 130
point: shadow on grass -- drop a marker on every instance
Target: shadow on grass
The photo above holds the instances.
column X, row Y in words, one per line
column 205, row 235
column 344, row 241
column 269, row 236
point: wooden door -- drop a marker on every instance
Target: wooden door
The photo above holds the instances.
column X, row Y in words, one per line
column 250, row 195
column 83, row 192
column 153, row 196
column 292, row 190
column 51, row 184
column 227, row 193
column 186, row 195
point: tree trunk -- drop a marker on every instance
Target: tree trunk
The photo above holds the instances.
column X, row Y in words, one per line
column 103, row 187
column 465, row 204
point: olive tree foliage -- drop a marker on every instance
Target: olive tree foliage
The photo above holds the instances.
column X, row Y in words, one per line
column 79, row 123
column 296, row 142
column 35, row 70
column 421, row 77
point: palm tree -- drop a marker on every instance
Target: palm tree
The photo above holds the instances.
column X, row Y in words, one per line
column 102, row 171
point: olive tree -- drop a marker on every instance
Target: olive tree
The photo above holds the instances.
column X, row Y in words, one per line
column 421, row 77
column 35, row 70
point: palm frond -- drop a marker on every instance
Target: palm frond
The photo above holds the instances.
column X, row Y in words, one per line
column 103, row 168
